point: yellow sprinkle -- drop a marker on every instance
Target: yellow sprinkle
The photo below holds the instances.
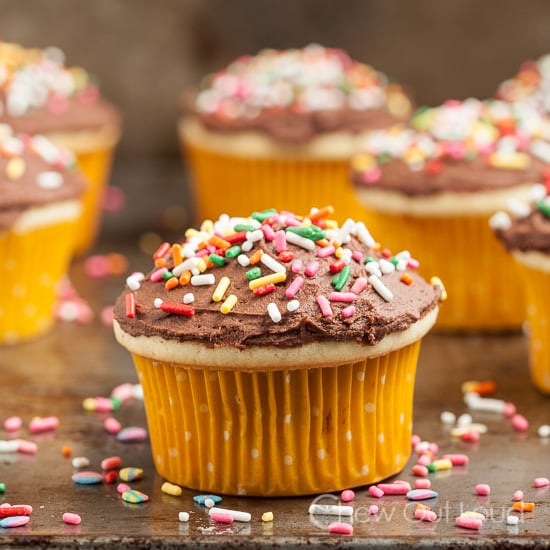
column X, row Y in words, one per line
column 267, row 516
column 306, row 222
column 191, row 232
column 332, row 224
column 362, row 162
column 471, row 514
column 201, row 265
column 229, row 303
column 339, row 252
column 437, row 281
column 171, row 489
column 89, row 404
column 511, row 161
column 223, row 285
column 207, row 226
column 15, row 168
column 274, row 278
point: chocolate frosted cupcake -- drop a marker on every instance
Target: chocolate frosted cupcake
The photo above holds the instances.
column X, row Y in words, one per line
column 526, row 234
column 40, row 204
column 277, row 354
column 278, row 128
column 434, row 185
column 39, row 94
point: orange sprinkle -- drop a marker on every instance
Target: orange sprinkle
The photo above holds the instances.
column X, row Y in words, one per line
column 322, row 213
column 171, row 283
column 406, row 278
column 256, row 257
column 160, row 262
column 176, row 254
column 118, row 264
column 483, row 388
column 66, row 450
column 322, row 243
column 524, row 506
column 218, row 242
column 420, row 506
column 185, row 277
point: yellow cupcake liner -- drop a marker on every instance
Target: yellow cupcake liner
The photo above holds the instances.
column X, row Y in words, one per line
column 96, row 166
column 482, row 283
column 280, row 433
column 537, row 286
column 31, row 265
column 223, row 183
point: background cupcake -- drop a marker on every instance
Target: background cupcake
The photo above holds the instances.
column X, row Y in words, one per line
column 273, row 347
column 39, row 94
column 39, row 210
column 527, row 235
column 277, row 130
column 434, row 185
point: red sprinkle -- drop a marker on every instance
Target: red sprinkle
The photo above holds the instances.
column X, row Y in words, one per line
column 264, row 289
column 130, row 305
column 337, row 266
column 180, row 309
column 161, row 251
column 286, row 256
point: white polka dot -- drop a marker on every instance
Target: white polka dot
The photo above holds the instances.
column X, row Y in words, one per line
column 380, row 438
column 30, row 310
column 237, row 400
column 226, row 435
column 409, row 377
column 210, row 467
column 370, row 407
column 383, row 379
column 254, row 453
column 287, row 460
column 187, row 436
column 287, row 379
column 365, row 470
column 9, row 264
column 397, row 459
column 315, row 411
column 181, row 376
column 159, row 459
column 203, row 408
column 173, row 452
column 45, row 280
column 402, row 418
column 171, row 401
column 360, row 376
column 241, row 491
column 321, row 454
column 348, row 435
column 140, row 375
column 19, row 291
column 288, row 418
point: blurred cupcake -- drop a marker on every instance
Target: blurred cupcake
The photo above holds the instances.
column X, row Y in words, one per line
column 40, row 95
column 40, row 204
column 527, row 235
column 434, row 185
column 277, row 130
column 277, row 354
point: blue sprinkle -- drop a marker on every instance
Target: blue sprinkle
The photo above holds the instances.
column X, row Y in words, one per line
column 14, row 521
column 421, row 494
column 87, row 478
column 201, row 499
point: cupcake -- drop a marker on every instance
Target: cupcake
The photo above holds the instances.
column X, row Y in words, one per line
column 39, row 95
column 277, row 354
column 259, row 132
column 526, row 234
column 434, row 185
column 40, row 205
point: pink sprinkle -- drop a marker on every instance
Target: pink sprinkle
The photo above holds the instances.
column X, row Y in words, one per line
column 469, row 522
column 415, row 438
column 106, row 316
column 326, row 251
column 13, row 423
column 420, row 470
column 220, row 517
column 26, row 447
column 425, row 459
column 103, row 404
column 112, row 425
column 111, row 463
column 358, row 286
column 312, row 268
column 296, row 266
column 425, row 515
column 132, row 434
column 373, row 509
column 114, row 199
column 348, row 312
column 268, row 232
column 422, row 483
column 472, row 435
column 457, row 459
column 97, row 266
column 342, row 297
column 357, row 255
column 280, row 240
column 413, row 264
column 156, row 276
column 38, row 425
column 376, row 491
column 122, row 488
column 517, row 496
column 294, row 287
column 541, row 482
column 72, row 519
column 509, row 410
column 340, row 528
column 433, row 448
column 123, row 392
column 395, row 488
column 520, row 423
column 324, row 305
column 347, row 496
column 483, row 489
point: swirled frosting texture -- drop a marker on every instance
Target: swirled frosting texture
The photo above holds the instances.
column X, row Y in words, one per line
column 293, row 95
column 324, row 283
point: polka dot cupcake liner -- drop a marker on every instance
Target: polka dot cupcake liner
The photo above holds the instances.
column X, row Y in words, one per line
column 481, row 281
column 223, row 183
column 280, row 433
column 32, row 264
column 537, row 286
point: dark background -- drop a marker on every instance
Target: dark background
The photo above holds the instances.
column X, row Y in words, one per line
column 145, row 52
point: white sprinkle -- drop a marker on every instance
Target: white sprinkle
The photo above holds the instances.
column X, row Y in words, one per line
column 544, row 430
column 247, row 246
column 254, row 236
column 401, row 265
column 448, row 417
column 183, row 516
column 300, row 241
column 330, row 509
column 188, row 298
column 209, row 502
column 237, row 515
column 293, row 305
column 137, row 392
column 403, row 255
column 272, row 263
column 541, row 149
column 373, row 269
column 202, row 280
column 477, row 403
column 381, row 288
column 519, row 208
column 500, row 220
column 49, row 180
column 538, row 192
column 342, row 235
column 385, row 266
column 157, row 302
column 274, row 312
column 512, row 520
column 464, row 420
column 187, row 265
column 364, row 236
column 243, row 260
column 9, row 446
column 80, row 462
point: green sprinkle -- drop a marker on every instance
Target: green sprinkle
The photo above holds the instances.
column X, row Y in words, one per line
column 312, row 232
column 233, row 252
column 394, row 261
column 116, row 403
column 253, row 273
column 243, row 227
column 217, row 260
column 382, row 158
column 431, row 468
column 167, row 275
column 2, row 487
column 339, row 281
column 544, row 207
column 263, row 215
column 368, row 259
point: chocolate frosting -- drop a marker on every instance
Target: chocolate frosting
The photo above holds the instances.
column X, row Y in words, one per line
column 249, row 324
column 19, row 194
